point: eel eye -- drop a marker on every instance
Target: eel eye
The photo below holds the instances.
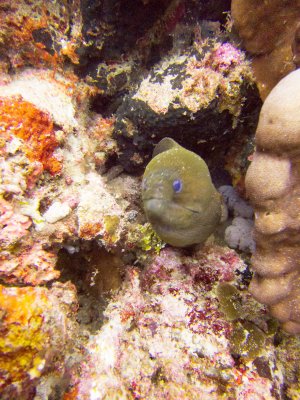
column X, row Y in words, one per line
column 177, row 186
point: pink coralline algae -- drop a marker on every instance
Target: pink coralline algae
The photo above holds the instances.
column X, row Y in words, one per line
column 22, row 261
column 34, row 266
column 13, row 225
column 167, row 338
column 225, row 57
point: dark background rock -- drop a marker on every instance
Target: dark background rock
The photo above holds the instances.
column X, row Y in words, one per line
column 210, row 133
column 123, row 41
column 211, row 10
column 112, row 30
column 135, row 31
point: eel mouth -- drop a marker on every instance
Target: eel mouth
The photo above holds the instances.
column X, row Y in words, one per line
column 157, row 205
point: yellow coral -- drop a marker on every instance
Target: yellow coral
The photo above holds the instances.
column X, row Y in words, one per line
column 22, row 338
column 144, row 237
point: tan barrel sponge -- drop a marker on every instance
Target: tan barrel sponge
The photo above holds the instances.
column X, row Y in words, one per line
column 273, row 186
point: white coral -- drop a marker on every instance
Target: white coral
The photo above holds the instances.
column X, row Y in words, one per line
column 239, row 235
column 235, row 204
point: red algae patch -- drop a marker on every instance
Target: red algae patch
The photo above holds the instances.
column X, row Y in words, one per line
column 22, row 119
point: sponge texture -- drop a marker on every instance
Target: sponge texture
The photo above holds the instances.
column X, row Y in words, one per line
column 273, row 186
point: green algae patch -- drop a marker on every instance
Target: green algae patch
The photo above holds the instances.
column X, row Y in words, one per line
column 230, row 301
column 111, row 224
column 247, row 340
column 145, row 238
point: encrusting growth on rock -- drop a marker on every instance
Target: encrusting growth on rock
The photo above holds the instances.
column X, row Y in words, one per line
column 22, row 119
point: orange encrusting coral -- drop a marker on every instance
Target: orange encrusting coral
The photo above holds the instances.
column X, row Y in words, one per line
column 21, row 337
column 22, row 119
column 18, row 29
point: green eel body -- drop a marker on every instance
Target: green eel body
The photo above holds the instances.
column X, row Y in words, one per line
column 179, row 198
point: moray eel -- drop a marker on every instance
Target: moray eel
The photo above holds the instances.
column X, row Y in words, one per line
column 179, row 198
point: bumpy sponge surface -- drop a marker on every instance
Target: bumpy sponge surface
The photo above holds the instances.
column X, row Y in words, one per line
column 273, row 185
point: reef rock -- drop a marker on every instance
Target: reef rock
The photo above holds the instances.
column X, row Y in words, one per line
column 116, row 43
column 197, row 97
column 273, row 185
column 38, row 33
column 174, row 331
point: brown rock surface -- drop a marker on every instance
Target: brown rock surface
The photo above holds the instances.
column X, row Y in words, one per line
column 267, row 30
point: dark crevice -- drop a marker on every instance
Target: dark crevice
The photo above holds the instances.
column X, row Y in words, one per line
column 96, row 274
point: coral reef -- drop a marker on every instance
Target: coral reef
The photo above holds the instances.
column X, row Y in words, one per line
column 272, row 184
column 166, row 337
column 121, row 36
column 23, row 120
column 93, row 304
column 51, row 197
column 22, row 260
column 267, row 34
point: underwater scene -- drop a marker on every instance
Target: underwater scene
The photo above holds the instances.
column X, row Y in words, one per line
column 149, row 200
